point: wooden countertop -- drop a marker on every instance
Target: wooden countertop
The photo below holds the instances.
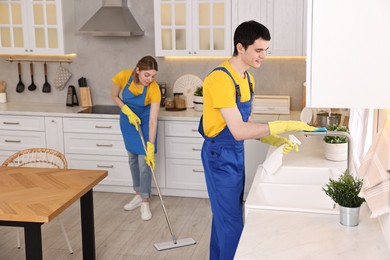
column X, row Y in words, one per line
column 40, row 194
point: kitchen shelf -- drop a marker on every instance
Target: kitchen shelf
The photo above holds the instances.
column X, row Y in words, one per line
column 40, row 58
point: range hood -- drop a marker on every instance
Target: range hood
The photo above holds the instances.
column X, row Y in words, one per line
column 112, row 19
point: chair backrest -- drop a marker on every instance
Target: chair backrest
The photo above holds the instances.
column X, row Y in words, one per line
column 37, row 157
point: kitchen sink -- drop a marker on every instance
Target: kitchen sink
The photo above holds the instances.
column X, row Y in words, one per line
column 292, row 189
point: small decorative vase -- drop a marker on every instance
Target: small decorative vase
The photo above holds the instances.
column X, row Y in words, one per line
column 198, row 103
column 336, row 152
column 3, row 97
column 349, row 216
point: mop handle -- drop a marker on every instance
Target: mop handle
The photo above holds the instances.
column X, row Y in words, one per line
column 158, row 189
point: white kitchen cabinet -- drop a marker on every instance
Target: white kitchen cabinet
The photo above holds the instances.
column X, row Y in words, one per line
column 285, row 20
column 184, row 170
column 192, row 27
column 36, row 26
column 20, row 132
column 54, row 133
column 341, row 71
column 94, row 143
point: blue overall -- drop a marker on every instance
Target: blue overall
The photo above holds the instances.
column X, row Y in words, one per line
column 224, row 167
column 137, row 105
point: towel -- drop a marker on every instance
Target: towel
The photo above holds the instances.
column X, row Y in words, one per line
column 62, row 77
column 375, row 173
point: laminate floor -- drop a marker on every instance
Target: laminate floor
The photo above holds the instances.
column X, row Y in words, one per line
column 123, row 234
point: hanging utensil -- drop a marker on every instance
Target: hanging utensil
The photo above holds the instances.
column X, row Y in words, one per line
column 46, row 86
column 20, row 85
column 32, row 87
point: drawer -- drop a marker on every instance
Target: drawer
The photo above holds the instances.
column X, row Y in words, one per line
column 88, row 125
column 185, row 174
column 25, row 123
column 181, row 147
column 182, row 129
column 117, row 167
column 94, row 144
column 19, row 140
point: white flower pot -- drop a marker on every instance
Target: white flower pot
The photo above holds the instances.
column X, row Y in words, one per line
column 336, row 152
column 198, row 103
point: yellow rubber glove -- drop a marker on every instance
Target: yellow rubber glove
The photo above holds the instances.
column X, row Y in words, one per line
column 133, row 118
column 149, row 158
column 276, row 127
column 277, row 141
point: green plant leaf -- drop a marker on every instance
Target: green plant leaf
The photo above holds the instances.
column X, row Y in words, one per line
column 345, row 190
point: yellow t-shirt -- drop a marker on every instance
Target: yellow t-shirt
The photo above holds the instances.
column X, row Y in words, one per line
column 219, row 92
column 153, row 94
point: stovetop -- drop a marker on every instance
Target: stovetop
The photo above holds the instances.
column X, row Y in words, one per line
column 102, row 109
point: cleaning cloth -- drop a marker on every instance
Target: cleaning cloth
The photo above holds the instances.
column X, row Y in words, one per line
column 274, row 161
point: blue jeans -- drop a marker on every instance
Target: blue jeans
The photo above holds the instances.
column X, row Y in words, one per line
column 141, row 173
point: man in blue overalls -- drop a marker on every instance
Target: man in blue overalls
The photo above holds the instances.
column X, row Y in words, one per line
column 228, row 92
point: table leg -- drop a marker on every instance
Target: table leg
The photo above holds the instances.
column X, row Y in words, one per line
column 33, row 241
column 87, row 226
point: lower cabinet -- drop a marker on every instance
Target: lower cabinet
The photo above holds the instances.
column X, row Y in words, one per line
column 20, row 132
column 93, row 143
column 184, row 169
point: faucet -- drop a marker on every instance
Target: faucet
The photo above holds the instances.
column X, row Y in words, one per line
column 335, row 133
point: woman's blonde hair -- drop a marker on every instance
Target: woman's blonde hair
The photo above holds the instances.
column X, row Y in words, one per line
column 146, row 63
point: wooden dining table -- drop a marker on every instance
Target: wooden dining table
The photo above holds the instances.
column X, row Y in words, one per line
column 30, row 197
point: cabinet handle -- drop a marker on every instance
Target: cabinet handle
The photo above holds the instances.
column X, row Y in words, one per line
column 105, row 166
column 11, row 123
column 194, row 170
column 196, row 149
column 100, row 126
column 104, row 145
column 13, row 141
column 194, row 130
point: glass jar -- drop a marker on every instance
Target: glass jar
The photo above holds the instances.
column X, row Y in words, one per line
column 179, row 100
column 169, row 103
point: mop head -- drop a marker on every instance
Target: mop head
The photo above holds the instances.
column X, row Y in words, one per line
column 171, row 244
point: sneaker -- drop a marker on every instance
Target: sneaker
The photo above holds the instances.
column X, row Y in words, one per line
column 145, row 211
column 134, row 203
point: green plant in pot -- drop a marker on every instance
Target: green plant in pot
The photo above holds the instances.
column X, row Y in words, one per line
column 198, row 98
column 345, row 192
column 336, row 147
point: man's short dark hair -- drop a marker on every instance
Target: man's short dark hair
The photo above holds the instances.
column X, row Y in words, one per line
column 248, row 32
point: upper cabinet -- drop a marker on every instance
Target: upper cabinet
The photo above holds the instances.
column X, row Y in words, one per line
column 36, row 26
column 192, row 27
column 285, row 20
column 348, row 54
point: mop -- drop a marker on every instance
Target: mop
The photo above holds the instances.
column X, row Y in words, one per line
column 175, row 243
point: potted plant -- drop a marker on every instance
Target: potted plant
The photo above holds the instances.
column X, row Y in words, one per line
column 198, row 98
column 336, row 147
column 345, row 192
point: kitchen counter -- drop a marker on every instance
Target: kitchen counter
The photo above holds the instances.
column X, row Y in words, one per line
column 48, row 109
column 274, row 235
column 280, row 235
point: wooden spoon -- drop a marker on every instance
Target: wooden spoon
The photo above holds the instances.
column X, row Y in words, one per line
column 20, row 85
column 32, row 87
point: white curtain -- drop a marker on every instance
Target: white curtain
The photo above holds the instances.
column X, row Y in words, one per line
column 361, row 130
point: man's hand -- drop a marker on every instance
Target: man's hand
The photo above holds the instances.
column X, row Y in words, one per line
column 277, row 141
column 277, row 127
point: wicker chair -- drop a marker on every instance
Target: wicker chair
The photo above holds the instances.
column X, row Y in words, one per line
column 39, row 158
